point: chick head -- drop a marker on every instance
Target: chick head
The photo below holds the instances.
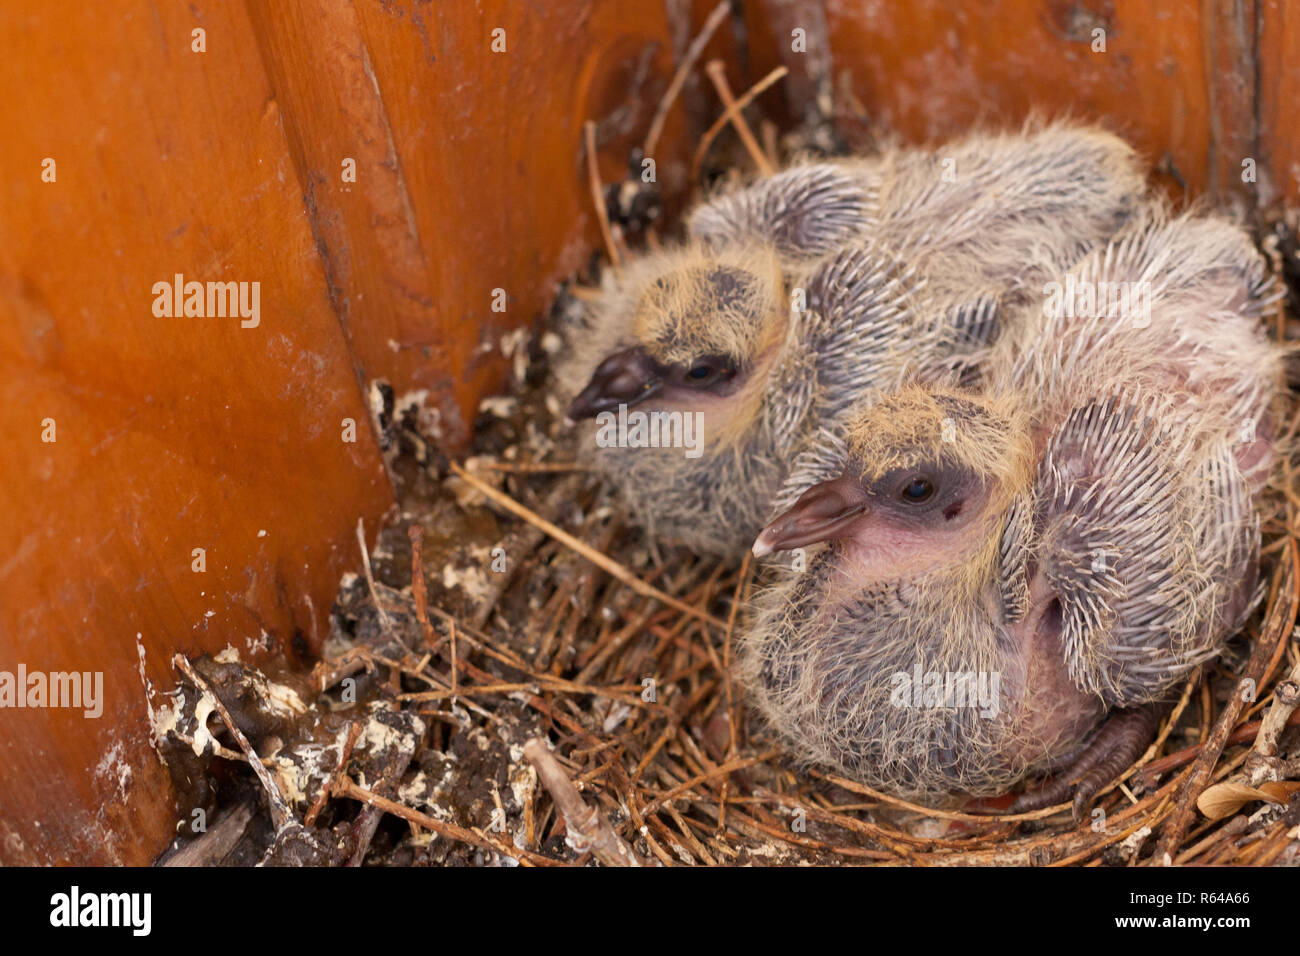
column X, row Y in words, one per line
column 705, row 328
column 926, row 475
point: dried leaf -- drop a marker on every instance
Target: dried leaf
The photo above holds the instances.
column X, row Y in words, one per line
column 1281, row 790
column 1225, row 799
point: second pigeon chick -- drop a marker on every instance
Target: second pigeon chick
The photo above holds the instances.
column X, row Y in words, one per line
column 1007, row 567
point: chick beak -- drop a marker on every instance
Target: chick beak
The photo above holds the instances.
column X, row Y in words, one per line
column 624, row 378
column 822, row 513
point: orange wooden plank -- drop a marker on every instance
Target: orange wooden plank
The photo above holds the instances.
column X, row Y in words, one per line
column 176, row 433
column 929, row 69
column 1230, row 49
column 172, row 433
column 1279, row 90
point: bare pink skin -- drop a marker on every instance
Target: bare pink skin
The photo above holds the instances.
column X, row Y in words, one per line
column 875, row 550
column 874, row 547
column 1054, row 710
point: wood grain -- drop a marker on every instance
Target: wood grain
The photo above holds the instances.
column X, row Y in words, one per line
column 930, row 69
column 1278, row 35
column 172, row 433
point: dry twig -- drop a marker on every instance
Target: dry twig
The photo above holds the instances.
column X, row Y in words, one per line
column 587, row 827
column 717, row 71
column 683, row 71
column 280, row 812
column 750, row 95
column 598, row 197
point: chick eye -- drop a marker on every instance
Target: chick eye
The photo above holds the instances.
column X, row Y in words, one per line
column 917, row 490
column 707, row 371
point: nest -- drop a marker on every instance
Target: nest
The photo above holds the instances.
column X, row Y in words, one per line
column 516, row 676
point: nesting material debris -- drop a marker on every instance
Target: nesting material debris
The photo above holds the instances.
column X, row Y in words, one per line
column 397, row 750
column 515, row 675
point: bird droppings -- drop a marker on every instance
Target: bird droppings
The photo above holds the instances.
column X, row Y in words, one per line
column 471, row 576
column 113, row 768
column 202, row 738
column 500, row 406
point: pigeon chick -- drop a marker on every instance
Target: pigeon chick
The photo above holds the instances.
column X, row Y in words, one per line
column 799, row 292
column 1005, row 568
